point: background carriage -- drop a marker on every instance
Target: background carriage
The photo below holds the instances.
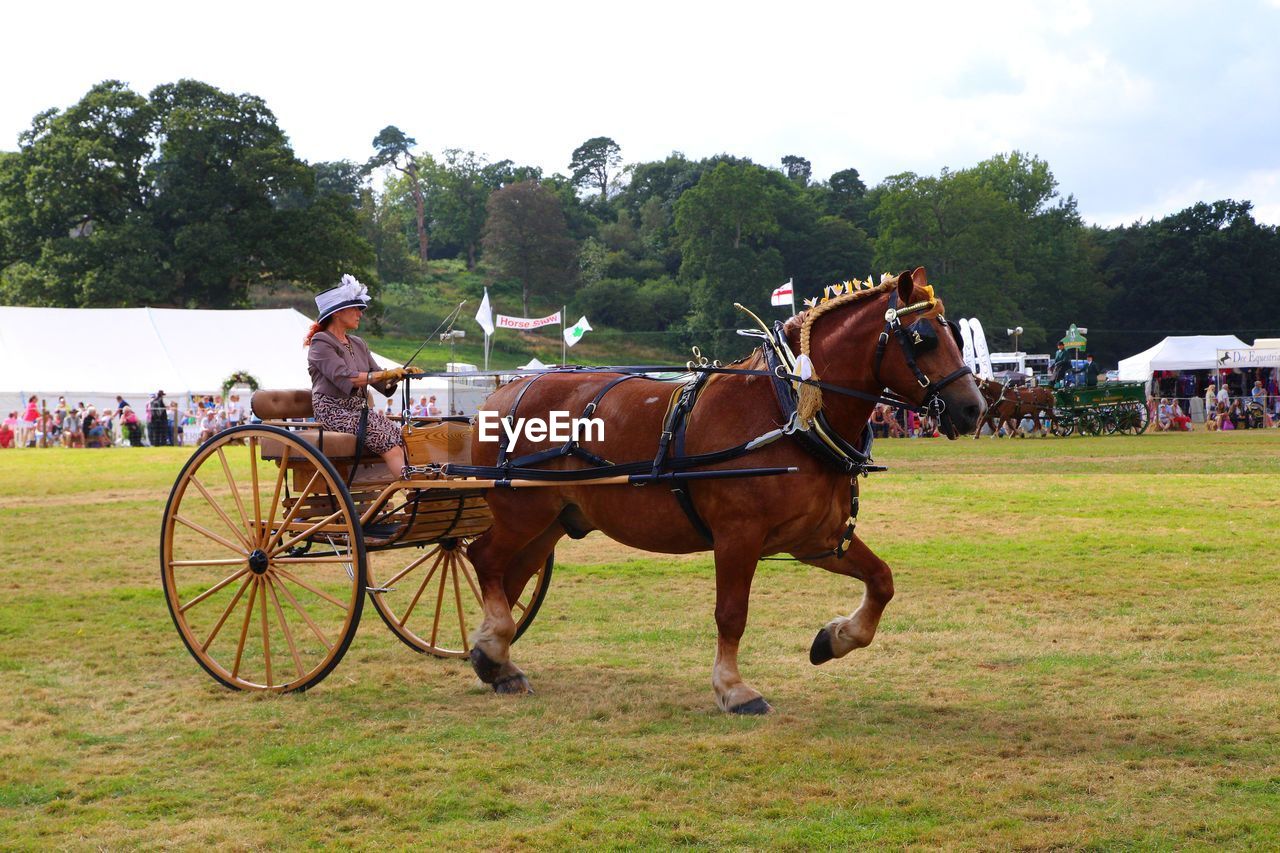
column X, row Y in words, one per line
column 271, row 542
column 1102, row 410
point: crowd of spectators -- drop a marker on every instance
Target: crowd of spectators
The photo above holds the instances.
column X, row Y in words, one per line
column 157, row 423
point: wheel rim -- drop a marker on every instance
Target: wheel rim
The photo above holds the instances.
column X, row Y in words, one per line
column 262, row 564
column 433, row 602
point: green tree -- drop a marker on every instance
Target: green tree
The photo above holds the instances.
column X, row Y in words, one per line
column 723, row 226
column 526, row 240
column 463, row 189
column 393, row 148
column 797, row 169
column 183, row 198
column 593, row 164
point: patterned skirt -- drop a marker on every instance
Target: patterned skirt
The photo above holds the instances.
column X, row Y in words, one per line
column 342, row 414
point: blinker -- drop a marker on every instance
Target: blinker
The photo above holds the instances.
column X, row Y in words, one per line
column 922, row 336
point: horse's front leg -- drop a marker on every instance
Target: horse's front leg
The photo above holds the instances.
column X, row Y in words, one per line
column 735, row 567
column 846, row 633
column 503, row 559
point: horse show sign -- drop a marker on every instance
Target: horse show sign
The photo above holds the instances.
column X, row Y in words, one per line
column 1074, row 338
column 1249, row 357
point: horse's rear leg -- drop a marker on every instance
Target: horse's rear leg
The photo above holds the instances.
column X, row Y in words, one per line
column 504, row 560
column 735, row 567
column 846, row 633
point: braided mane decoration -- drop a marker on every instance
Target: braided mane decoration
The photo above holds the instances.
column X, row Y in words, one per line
column 809, row 400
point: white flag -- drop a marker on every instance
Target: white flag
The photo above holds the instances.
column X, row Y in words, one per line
column 785, row 295
column 574, row 333
column 485, row 315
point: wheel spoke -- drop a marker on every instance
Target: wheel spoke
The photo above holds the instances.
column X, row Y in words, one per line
column 235, row 492
column 257, row 498
column 326, row 596
column 435, row 623
column 275, row 496
column 266, row 637
column 233, row 561
column 225, row 518
column 303, row 613
column 225, row 613
column 244, row 628
column 471, row 582
column 284, row 626
column 457, row 598
column 210, row 534
column 211, row 590
column 412, row 604
column 304, row 534
column 288, row 518
column 319, row 558
column 400, row 574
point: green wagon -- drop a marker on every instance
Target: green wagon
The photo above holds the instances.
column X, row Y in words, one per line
column 1102, row 410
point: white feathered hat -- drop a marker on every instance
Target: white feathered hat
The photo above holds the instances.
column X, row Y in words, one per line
column 350, row 293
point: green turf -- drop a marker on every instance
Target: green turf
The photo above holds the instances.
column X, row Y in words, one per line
column 1082, row 653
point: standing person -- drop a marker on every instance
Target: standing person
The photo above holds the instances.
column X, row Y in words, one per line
column 28, row 425
column 131, row 427
column 235, row 411
column 433, row 411
column 1224, row 397
column 342, row 370
column 1060, row 364
column 1091, row 371
column 158, row 420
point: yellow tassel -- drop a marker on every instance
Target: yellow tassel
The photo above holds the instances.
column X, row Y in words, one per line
column 808, row 404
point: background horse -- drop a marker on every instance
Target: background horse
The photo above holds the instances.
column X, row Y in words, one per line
column 1008, row 405
column 800, row 514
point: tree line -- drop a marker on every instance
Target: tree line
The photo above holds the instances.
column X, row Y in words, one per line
column 190, row 196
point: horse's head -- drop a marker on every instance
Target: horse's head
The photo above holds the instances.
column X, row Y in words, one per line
column 921, row 361
column 916, row 354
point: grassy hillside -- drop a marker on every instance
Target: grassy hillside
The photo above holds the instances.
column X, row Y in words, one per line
column 405, row 314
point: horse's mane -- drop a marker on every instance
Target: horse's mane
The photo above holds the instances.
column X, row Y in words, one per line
column 809, row 401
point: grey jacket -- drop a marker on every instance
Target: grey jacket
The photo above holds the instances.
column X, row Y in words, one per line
column 331, row 366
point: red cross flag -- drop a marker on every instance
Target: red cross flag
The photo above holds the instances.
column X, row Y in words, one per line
column 785, row 295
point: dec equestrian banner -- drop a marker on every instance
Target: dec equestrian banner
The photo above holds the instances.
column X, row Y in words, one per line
column 525, row 323
column 1249, row 358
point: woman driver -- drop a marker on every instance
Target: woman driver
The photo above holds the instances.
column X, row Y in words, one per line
column 341, row 369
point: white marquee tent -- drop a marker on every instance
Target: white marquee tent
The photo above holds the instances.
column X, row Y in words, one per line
column 92, row 354
column 1191, row 352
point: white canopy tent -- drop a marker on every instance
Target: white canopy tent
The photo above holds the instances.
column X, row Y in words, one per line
column 91, row 355
column 1191, row 352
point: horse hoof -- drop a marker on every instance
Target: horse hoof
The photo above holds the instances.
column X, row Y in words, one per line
column 755, row 707
column 821, row 651
column 486, row 668
column 513, row 685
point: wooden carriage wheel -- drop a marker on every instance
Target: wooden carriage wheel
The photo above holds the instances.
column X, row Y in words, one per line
column 262, row 560
column 1132, row 418
column 432, row 602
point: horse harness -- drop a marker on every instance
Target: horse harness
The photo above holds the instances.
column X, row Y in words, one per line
column 819, row 438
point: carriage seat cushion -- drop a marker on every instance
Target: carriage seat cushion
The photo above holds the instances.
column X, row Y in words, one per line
column 335, row 445
column 282, row 404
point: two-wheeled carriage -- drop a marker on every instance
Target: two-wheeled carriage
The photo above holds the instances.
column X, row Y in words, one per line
column 274, row 533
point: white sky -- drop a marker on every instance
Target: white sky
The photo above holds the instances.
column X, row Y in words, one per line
column 1140, row 108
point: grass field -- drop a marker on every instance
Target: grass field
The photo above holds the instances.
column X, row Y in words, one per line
column 1083, row 652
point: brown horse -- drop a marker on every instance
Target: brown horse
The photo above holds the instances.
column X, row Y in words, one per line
column 802, row 514
column 1007, row 404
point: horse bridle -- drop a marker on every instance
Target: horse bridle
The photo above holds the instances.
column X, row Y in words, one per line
column 917, row 338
